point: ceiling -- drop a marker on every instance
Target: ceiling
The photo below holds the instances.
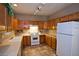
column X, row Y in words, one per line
column 47, row 10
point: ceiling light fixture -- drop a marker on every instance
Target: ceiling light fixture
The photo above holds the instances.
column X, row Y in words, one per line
column 15, row 5
column 39, row 8
column 36, row 12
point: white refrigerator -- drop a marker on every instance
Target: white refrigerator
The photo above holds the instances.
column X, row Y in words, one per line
column 68, row 39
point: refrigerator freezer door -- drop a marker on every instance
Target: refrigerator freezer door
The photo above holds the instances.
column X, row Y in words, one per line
column 66, row 27
column 64, row 45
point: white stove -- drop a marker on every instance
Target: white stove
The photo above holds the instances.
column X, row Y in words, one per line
column 35, row 39
column 34, row 35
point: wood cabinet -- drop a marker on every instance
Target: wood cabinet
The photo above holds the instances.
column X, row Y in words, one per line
column 42, row 39
column 15, row 23
column 74, row 17
column 53, row 42
column 26, row 41
column 64, row 19
column 48, row 40
column 2, row 15
column 45, row 25
column 5, row 19
column 71, row 17
column 52, row 24
column 9, row 23
column 40, row 24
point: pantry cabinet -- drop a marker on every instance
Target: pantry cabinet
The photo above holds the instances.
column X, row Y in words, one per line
column 26, row 41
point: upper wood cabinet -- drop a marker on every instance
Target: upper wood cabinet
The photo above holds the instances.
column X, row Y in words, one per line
column 9, row 22
column 23, row 24
column 74, row 17
column 15, row 23
column 52, row 24
column 5, row 19
column 71, row 17
column 65, row 18
column 40, row 24
column 45, row 25
column 2, row 15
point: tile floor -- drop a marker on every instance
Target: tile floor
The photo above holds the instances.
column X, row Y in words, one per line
column 39, row 50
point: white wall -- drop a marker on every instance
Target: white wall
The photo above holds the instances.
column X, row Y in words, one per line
column 70, row 9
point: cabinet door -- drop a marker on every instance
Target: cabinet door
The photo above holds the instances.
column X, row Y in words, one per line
column 2, row 15
column 42, row 39
column 74, row 17
column 45, row 25
column 48, row 40
column 26, row 41
column 65, row 19
column 9, row 22
column 53, row 43
column 15, row 23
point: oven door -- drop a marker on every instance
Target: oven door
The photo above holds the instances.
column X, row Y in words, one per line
column 34, row 40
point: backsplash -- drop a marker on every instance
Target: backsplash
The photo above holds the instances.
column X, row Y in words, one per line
column 52, row 32
column 2, row 28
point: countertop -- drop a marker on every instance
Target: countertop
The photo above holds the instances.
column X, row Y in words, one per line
column 13, row 48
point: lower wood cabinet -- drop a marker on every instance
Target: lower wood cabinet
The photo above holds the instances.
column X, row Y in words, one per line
column 53, row 42
column 26, row 40
column 50, row 41
column 42, row 39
